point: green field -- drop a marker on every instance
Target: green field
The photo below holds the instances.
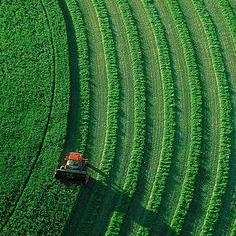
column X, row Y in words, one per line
column 146, row 89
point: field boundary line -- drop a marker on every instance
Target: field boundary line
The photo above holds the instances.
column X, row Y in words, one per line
column 78, row 123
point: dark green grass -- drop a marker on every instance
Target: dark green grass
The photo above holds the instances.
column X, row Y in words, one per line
column 26, row 94
column 40, row 193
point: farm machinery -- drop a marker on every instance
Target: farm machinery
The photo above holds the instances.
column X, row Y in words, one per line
column 74, row 168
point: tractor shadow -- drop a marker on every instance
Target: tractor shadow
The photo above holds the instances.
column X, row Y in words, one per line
column 105, row 208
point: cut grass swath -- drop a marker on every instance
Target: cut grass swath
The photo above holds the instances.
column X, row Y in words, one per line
column 225, row 119
column 84, row 74
column 196, row 118
column 169, row 116
column 113, row 88
column 230, row 16
column 223, row 17
column 154, row 120
column 137, row 154
column 112, row 115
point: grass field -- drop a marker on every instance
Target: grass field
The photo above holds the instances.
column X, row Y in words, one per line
column 146, row 89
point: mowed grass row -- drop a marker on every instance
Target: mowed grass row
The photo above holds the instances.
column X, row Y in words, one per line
column 125, row 134
column 26, row 93
column 196, row 118
column 211, row 123
column 125, row 124
column 125, row 121
column 108, row 155
column 44, row 207
column 228, row 210
column 44, row 202
column 225, row 119
column 230, row 17
column 81, row 77
column 182, row 119
column 154, row 120
column 163, row 49
column 130, row 182
column 98, row 110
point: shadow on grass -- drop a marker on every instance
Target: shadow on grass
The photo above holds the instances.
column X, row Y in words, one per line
column 79, row 212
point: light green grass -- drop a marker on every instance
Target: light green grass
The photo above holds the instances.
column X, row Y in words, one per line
column 154, row 96
column 183, row 104
column 227, row 38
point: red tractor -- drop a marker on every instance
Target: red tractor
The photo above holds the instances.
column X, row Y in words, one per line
column 74, row 168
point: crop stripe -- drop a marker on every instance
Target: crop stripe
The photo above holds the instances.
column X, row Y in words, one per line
column 188, row 186
column 137, row 154
column 109, row 150
column 169, row 118
column 225, row 119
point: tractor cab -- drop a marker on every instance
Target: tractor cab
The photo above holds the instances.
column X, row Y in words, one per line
column 73, row 164
column 74, row 160
column 74, row 168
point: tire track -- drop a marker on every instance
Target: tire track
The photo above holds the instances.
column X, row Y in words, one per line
column 48, row 120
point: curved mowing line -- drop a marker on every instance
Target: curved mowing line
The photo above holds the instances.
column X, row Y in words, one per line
column 84, row 77
column 109, row 151
column 125, row 134
column 47, row 123
column 155, row 120
column 71, row 140
column 225, row 119
column 98, row 107
column 211, row 120
column 187, row 189
column 79, row 112
column 125, row 123
column 183, row 117
column 226, row 37
column 137, row 154
column 230, row 17
column 169, row 120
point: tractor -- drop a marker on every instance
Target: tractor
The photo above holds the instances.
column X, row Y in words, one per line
column 74, row 168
